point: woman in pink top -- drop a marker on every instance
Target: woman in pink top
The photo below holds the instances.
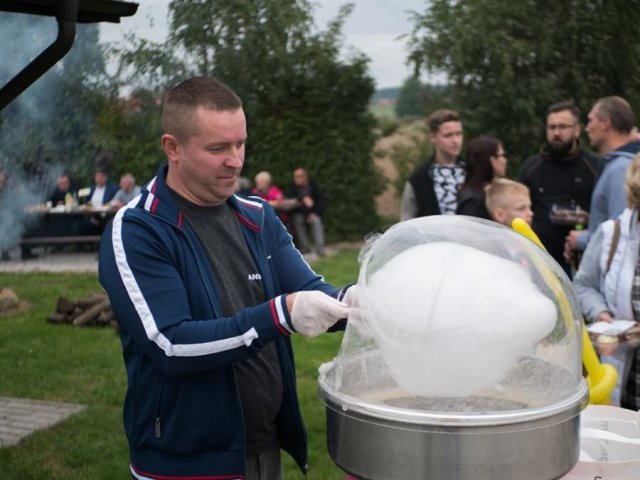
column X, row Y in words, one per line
column 270, row 193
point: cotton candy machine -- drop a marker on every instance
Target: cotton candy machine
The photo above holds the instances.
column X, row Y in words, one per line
column 465, row 360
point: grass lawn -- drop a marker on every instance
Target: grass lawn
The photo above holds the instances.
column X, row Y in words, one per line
column 42, row 361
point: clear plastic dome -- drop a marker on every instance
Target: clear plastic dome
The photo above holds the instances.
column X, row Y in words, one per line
column 459, row 315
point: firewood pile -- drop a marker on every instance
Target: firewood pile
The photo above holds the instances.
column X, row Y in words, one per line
column 94, row 310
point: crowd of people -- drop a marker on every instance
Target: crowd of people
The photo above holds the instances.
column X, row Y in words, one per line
column 208, row 286
column 573, row 199
column 102, row 193
column 300, row 210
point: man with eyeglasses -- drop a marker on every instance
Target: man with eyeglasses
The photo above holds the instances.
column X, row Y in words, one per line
column 561, row 179
column 611, row 131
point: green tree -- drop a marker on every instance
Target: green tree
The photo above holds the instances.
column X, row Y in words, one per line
column 507, row 61
column 417, row 99
column 306, row 102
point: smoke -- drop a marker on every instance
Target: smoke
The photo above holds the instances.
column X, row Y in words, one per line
column 50, row 127
column 52, row 121
column 18, row 196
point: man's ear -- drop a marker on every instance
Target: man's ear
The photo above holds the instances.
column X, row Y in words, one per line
column 170, row 146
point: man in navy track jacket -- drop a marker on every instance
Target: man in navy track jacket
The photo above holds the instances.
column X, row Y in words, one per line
column 207, row 287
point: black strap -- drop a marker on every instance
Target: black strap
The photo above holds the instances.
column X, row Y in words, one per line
column 614, row 244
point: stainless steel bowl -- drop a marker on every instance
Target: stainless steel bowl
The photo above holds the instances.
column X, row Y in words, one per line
column 388, row 434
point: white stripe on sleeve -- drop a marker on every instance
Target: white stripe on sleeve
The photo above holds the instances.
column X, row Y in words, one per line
column 146, row 317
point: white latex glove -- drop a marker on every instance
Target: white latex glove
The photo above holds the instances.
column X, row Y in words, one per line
column 314, row 312
column 355, row 318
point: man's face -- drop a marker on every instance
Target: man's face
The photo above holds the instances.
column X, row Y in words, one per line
column 63, row 183
column 126, row 184
column 300, row 178
column 205, row 167
column 597, row 129
column 519, row 207
column 100, row 178
column 562, row 130
column 447, row 141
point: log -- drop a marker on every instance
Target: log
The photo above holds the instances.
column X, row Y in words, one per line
column 91, row 300
column 92, row 313
column 65, row 305
column 105, row 317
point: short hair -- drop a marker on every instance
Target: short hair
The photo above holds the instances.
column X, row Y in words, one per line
column 182, row 100
column 479, row 170
column 437, row 118
column 618, row 111
column 565, row 105
column 632, row 183
column 264, row 175
column 499, row 191
column 128, row 176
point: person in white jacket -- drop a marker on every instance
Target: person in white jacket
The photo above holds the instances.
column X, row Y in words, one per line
column 608, row 281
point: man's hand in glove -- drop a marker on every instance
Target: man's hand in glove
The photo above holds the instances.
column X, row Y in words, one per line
column 313, row 312
column 351, row 298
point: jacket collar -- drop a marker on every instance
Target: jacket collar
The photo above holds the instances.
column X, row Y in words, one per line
column 631, row 147
column 158, row 200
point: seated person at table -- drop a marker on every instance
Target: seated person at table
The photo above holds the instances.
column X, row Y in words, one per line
column 272, row 194
column 100, row 194
column 102, row 191
column 309, row 211
column 128, row 191
column 506, row 200
column 265, row 190
column 63, row 186
column 607, row 281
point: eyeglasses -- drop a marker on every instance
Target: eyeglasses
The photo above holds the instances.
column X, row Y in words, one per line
column 560, row 126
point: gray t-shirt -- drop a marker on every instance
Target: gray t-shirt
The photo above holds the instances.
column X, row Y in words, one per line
column 238, row 286
column 124, row 197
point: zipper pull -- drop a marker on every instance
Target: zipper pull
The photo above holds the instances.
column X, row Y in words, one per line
column 158, row 431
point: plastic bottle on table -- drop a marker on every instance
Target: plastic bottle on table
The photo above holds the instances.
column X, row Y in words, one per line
column 577, row 255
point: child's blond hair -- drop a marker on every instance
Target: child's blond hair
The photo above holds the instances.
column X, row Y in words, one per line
column 498, row 194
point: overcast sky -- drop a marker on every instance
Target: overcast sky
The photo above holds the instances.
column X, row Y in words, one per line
column 373, row 28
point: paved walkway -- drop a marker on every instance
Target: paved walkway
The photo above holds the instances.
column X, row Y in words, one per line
column 20, row 417
column 47, row 261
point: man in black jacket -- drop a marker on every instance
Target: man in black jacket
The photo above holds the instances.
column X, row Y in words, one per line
column 432, row 188
column 561, row 179
column 309, row 212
